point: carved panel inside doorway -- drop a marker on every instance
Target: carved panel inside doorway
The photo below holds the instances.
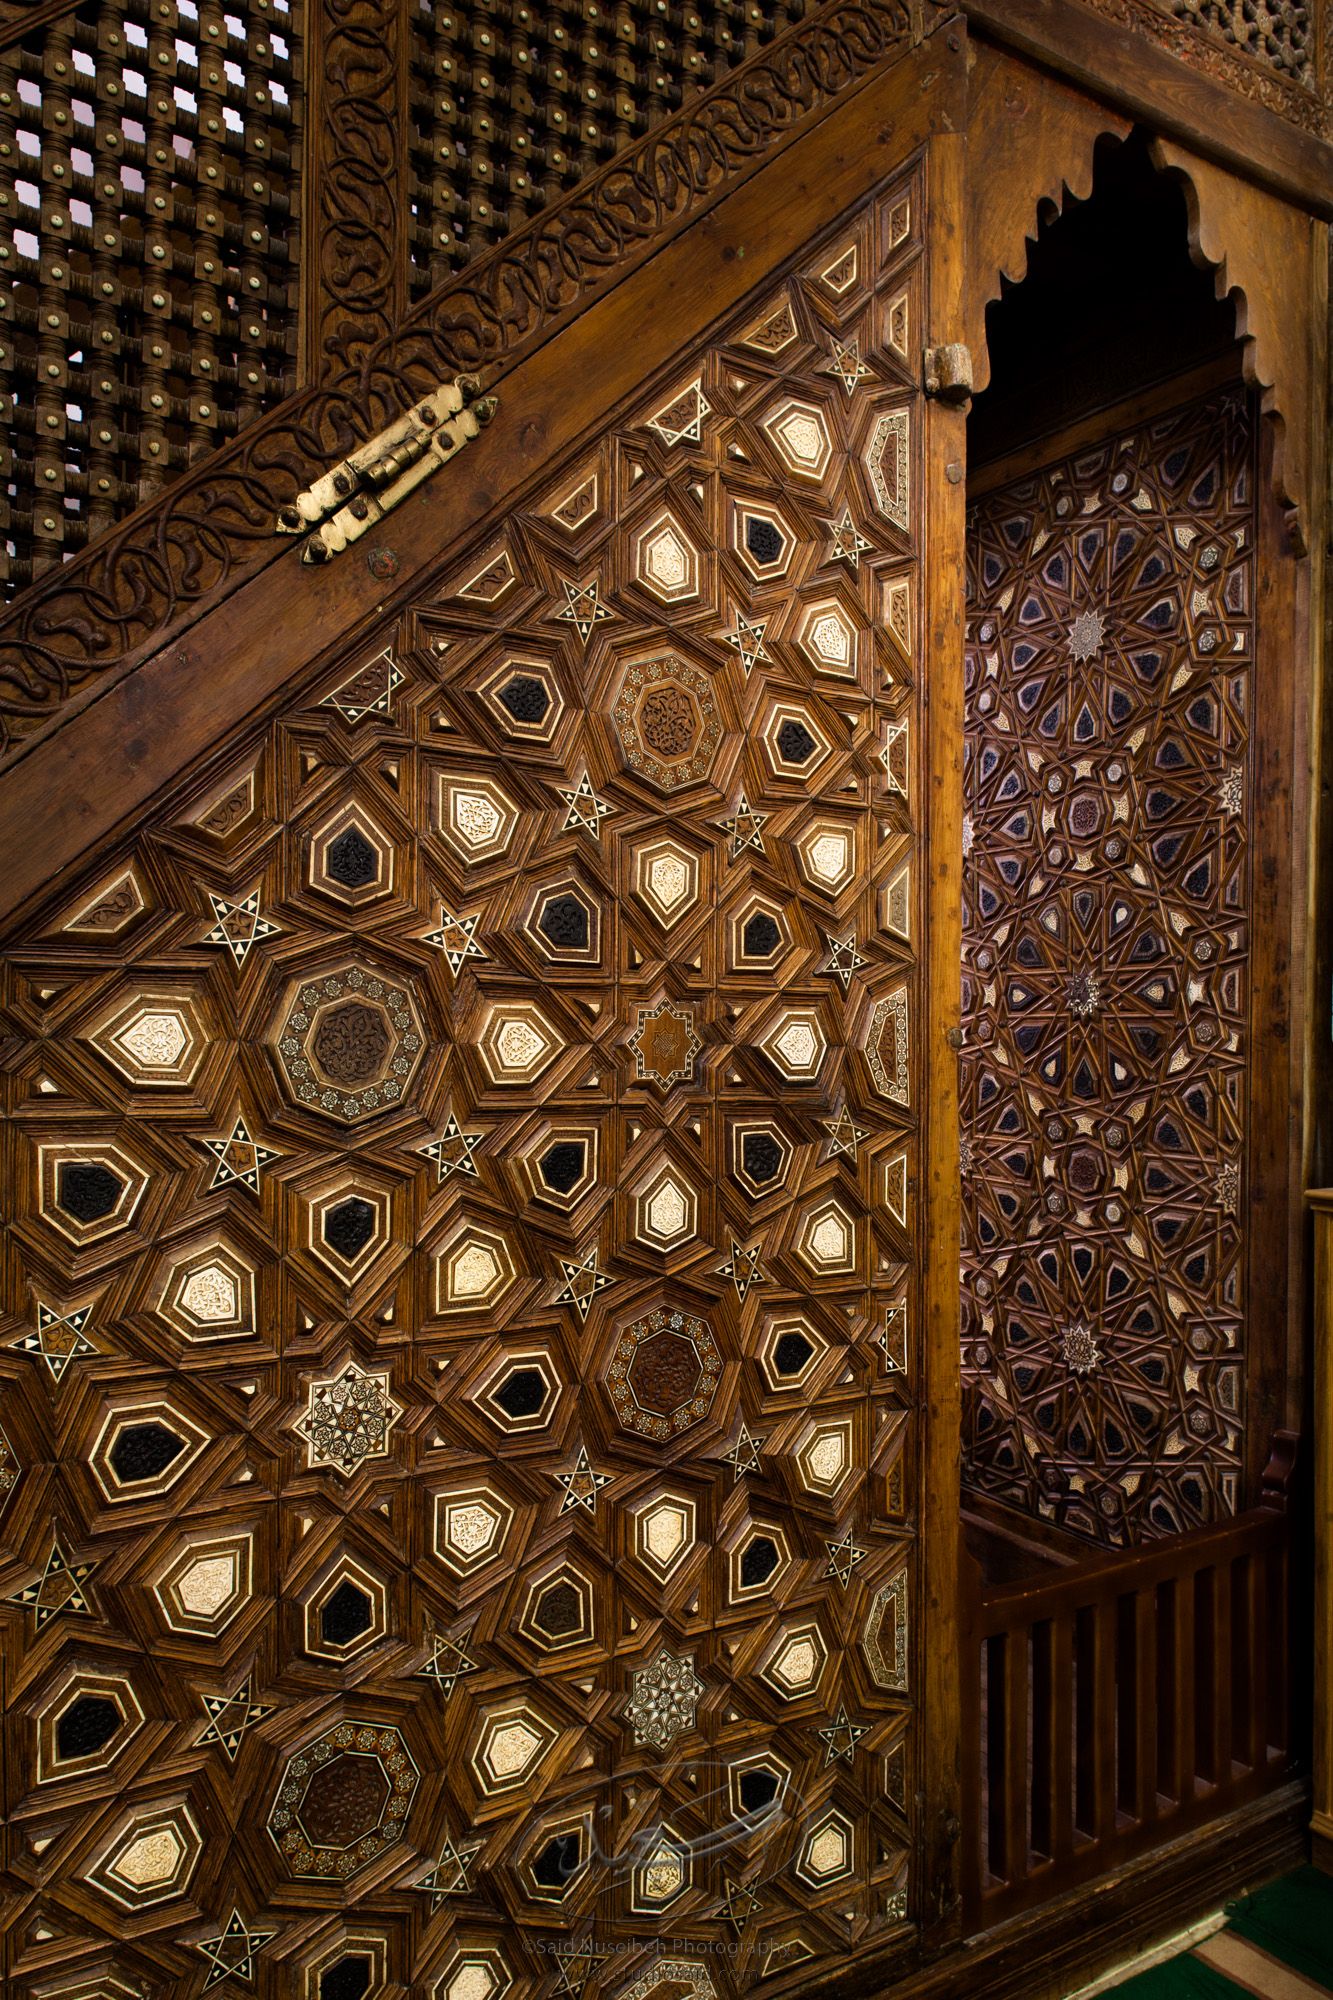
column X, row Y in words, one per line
column 1106, row 989
column 461, row 1426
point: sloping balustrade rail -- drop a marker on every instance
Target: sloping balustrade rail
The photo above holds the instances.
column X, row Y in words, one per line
column 1112, row 1706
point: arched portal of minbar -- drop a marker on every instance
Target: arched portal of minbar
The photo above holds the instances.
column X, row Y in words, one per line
column 1111, row 844
column 1032, row 142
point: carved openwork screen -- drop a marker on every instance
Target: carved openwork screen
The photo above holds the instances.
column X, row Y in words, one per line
column 463, row 1443
column 150, row 192
column 1106, row 978
column 513, row 104
column 156, row 160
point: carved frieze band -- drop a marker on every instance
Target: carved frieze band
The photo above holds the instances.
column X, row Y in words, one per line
column 103, row 611
column 1267, row 51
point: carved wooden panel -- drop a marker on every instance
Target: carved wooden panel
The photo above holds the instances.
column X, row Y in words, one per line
column 462, row 1454
column 1106, row 978
column 1271, row 50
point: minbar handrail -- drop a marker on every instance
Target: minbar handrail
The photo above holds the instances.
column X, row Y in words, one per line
column 1106, row 1576
column 1113, row 1705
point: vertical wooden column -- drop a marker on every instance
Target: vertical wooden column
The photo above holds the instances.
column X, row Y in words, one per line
column 945, row 461
column 1322, row 1819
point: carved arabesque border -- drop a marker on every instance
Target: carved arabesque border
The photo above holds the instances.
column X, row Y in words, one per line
column 1193, row 42
column 100, row 613
column 354, row 277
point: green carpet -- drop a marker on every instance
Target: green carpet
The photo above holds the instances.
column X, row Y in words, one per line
column 1179, row 1979
column 1291, row 1920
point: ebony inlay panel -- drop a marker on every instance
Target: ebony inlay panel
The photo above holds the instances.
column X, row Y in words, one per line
column 461, row 1458
column 1105, row 982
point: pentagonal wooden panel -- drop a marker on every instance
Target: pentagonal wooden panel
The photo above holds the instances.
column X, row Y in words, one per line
column 461, row 1441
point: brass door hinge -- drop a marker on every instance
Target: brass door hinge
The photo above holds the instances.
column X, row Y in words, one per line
column 947, row 372
column 364, row 487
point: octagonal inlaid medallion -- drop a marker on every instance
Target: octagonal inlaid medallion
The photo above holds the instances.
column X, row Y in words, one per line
column 342, row 1800
column 665, row 1373
column 667, row 719
column 349, row 1042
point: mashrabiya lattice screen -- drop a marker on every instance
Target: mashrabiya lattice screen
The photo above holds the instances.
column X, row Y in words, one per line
column 150, row 197
column 152, row 154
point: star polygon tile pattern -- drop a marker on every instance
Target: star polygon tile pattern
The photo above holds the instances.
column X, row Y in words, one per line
column 451, row 1544
column 1106, row 915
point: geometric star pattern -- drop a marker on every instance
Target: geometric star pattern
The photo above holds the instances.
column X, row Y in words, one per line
column 738, row 1905
column 59, row 1589
column 583, row 607
column 450, row 1875
column 399, row 1542
column 575, row 1967
column 59, row 1338
column 846, row 365
column 238, row 926
column 843, row 958
column 456, row 938
column 848, row 544
column 844, row 1555
column 743, row 1456
column 449, row 1660
column 586, row 810
column 748, row 641
column 349, row 1418
column 845, row 1135
column 1106, row 980
column 584, row 1278
column 239, row 1158
column 452, row 1151
column 583, row 1484
column 840, row 1738
column 743, row 1268
column 229, row 1716
column 230, row 1952
column 746, row 829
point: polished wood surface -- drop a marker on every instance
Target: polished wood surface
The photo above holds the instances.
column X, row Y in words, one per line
column 1321, row 1202
column 1114, row 1704
column 537, row 1428
column 1121, row 67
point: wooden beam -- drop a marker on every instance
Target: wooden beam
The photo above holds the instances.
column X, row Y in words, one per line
column 1160, row 91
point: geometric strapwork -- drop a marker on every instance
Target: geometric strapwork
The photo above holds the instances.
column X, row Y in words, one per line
column 1106, row 986
column 482, row 1522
